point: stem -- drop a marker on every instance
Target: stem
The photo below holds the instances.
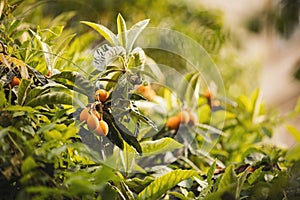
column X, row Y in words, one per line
column 102, row 149
column 17, row 146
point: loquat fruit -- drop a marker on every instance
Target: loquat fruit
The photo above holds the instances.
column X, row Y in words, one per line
column 84, row 114
column 173, row 122
column 15, row 81
column 92, row 122
column 101, row 95
column 96, row 114
column 102, row 128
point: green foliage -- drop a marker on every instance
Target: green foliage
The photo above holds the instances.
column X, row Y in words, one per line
column 164, row 183
column 159, row 146
column 45, row 152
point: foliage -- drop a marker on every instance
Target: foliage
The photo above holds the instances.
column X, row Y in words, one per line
column 46, row 153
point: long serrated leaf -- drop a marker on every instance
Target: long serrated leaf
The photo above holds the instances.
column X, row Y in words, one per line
column 128, row 137
column 127, row 156
column 105, row 32
column 105, row 54
column 24, row 87
column 122, row 30
column 134, row 32
column 47, row 51
column 159, row 146
column 70, row 75
column 78, row 80
column 137, row 185
column 33, row 93
column 51, row 98
column 20, row 108
column 164, row 183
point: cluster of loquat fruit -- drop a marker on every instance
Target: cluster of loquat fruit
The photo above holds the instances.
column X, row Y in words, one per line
column 185, row 117
column 94, row 118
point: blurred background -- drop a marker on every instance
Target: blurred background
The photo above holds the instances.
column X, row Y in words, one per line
column 255, row 44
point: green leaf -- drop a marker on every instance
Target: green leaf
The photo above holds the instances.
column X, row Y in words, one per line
column 210, row 173
column 113, row 135
column 134, row 32
column 20, row 108
column 23, row 89
column 28, row 164
column 164, row 183
column 105, row 54
column 46, row 51
column 228, row 179
column 240, row 183
column 2, row 98
column 38, row 75
column 78, row 82
column 127, row 156
column 45, row 190
column 162, row 145
column 124, row 191
column 122, row 30
column 113, row 80
column 294, row 132
column 128, row 136
column 137, row 59
column 255, row 176
column 51, row 98
column 105, row 32
column 137, row 185
column 69, row 75
column 35, row 92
